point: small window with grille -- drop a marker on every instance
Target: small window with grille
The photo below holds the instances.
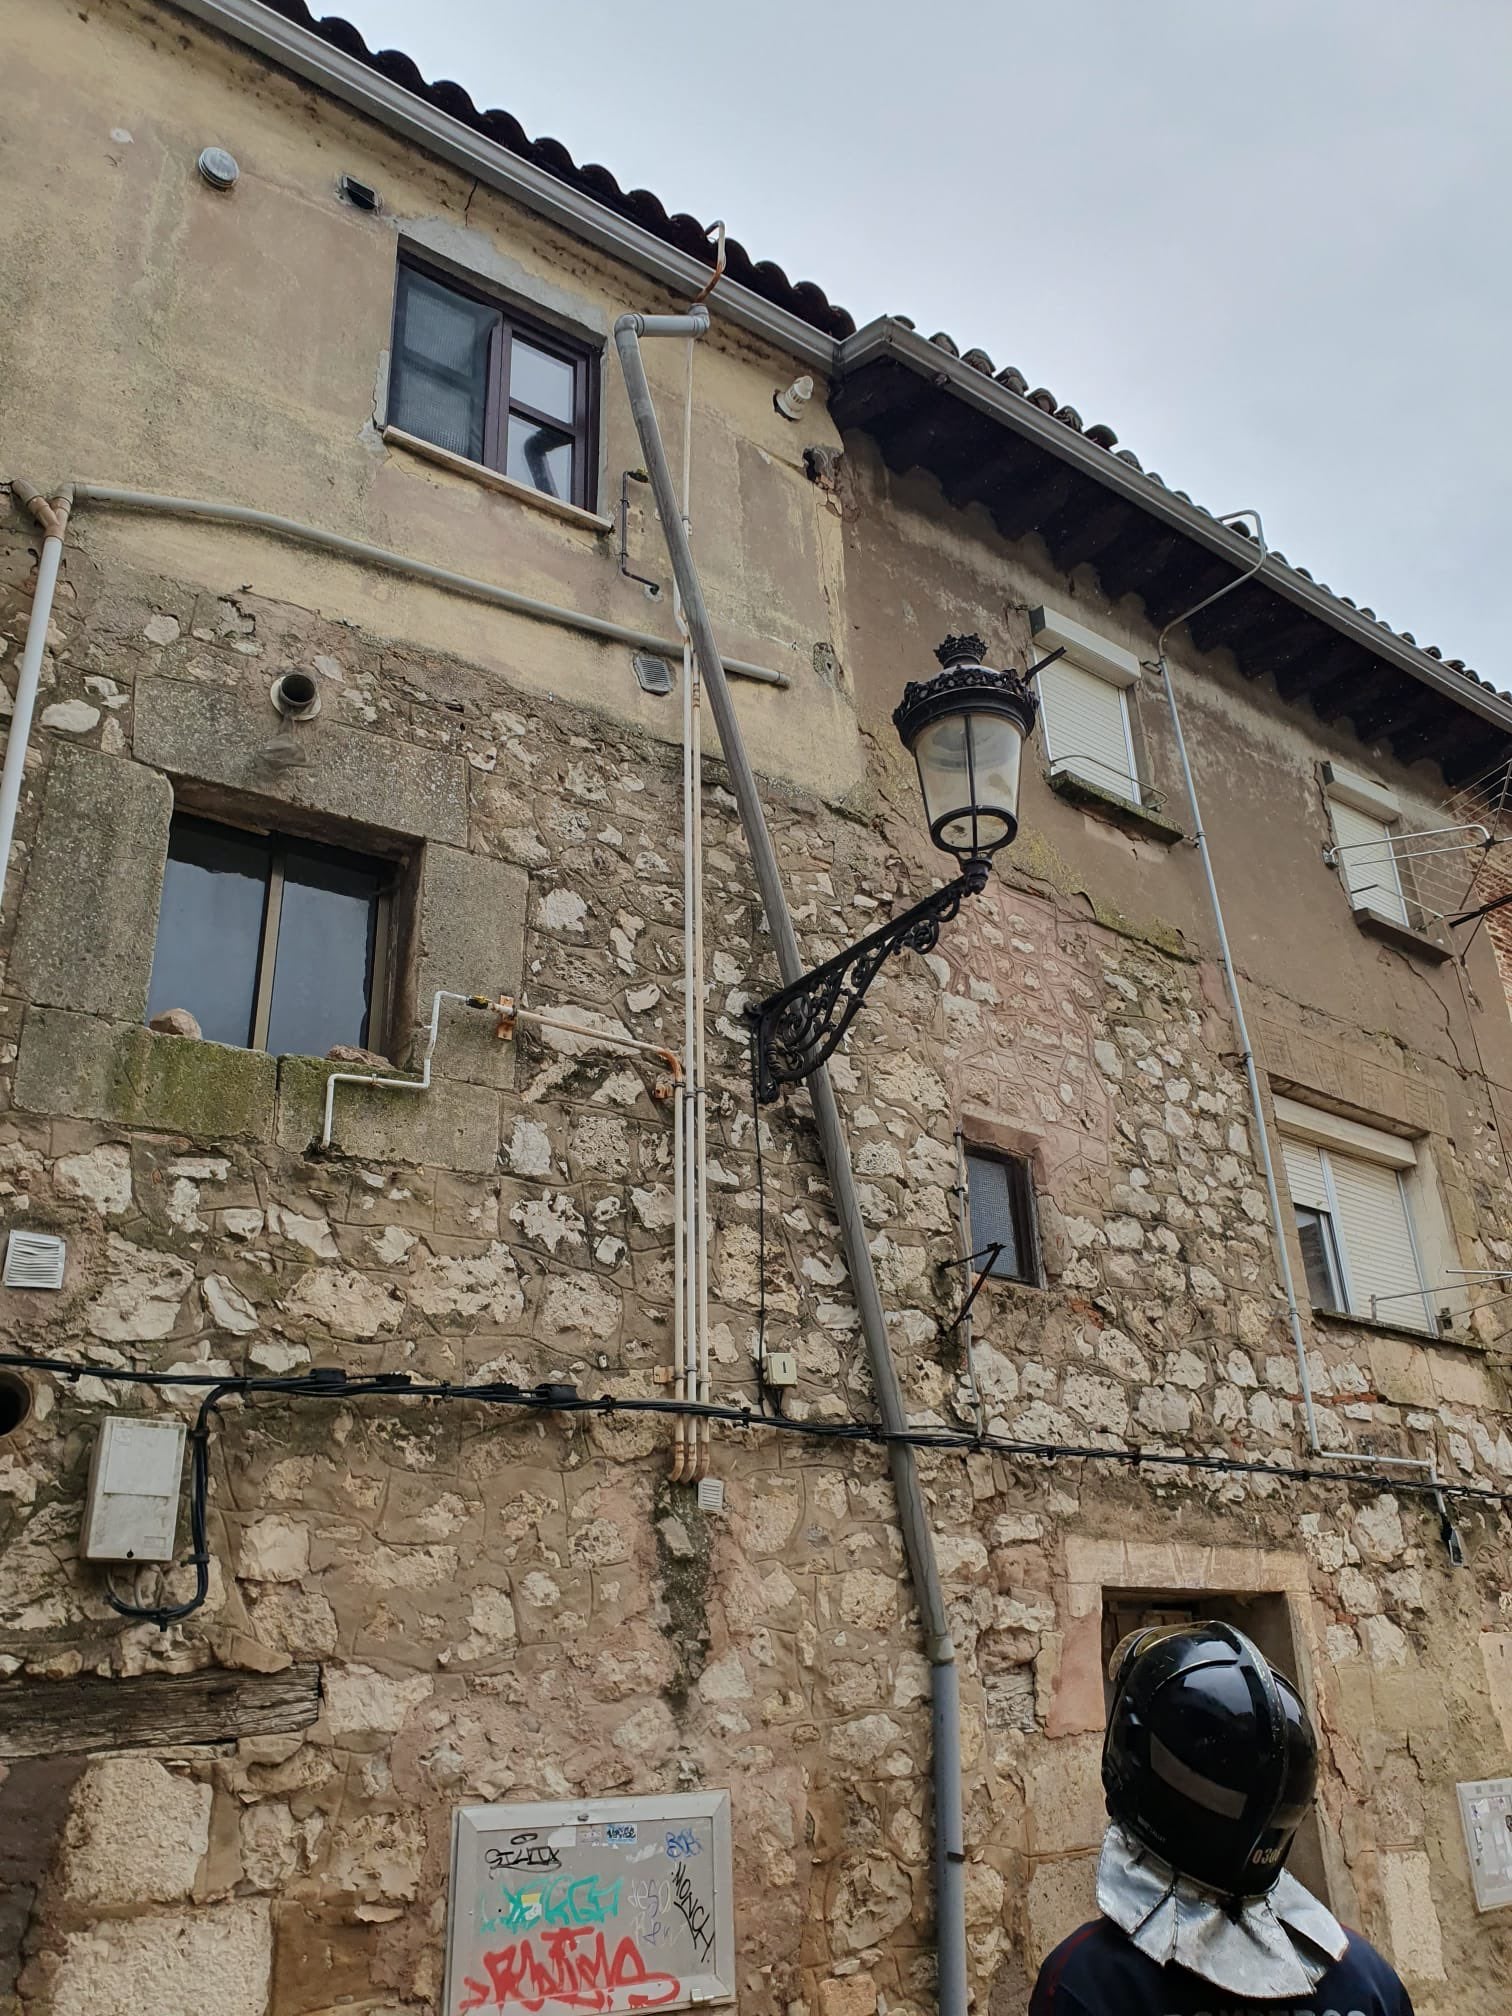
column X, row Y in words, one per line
column 484, row 382
column 1000, row 1193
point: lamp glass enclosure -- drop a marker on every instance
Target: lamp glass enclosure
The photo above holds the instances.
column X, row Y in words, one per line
column 966, row 729
column 969, row 775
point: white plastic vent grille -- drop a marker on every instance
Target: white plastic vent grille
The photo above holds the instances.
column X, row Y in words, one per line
column 34, row 1260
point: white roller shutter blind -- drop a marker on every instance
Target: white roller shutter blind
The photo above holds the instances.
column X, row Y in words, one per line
column 1377, row 1240
column 1367, row 863
column 1304, row 1175
column 1087, row 728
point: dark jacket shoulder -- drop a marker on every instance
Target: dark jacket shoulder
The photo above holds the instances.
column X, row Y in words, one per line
column 1100, row 1972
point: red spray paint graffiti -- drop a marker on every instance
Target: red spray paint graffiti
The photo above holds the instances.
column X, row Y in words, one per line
column 569, row 1969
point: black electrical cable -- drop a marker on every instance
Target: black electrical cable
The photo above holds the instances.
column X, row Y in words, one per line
column 334, row 1384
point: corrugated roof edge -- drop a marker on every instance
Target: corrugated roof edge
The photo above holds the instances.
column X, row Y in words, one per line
column 798, row 316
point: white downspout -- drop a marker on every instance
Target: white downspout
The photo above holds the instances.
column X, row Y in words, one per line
column 53, row 518
column 699, row 1214
column 1231, row 981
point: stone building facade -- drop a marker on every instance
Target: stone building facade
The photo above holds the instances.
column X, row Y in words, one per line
column 482, row 1603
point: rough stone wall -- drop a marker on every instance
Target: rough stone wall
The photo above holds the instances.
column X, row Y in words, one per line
column 505, row 1606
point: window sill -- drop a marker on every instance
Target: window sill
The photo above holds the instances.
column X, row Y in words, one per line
column 1136, row 819
column 1383, row 1327
column 1427, row 946
column 494, row 479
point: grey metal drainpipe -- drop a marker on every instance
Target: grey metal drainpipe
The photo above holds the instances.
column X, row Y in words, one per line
column 918, row 1541
column 1231, row 979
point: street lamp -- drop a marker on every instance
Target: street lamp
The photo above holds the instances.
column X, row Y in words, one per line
column 965, row 729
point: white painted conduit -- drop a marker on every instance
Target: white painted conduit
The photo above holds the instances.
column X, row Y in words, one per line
column 53, row 518
column 691, row 1441
column 510, row 1014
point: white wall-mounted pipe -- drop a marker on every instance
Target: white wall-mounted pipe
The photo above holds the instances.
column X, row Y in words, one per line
column 396, row 1084
column 1231, row 981
column 53, row 518
column 402, row 563
column 698, row 1382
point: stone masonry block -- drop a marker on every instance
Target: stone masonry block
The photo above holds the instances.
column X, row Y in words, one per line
column 452, row 1126
column 1412, row 1920
column 850, row 1995
column 470, row 939
column 1062, row 1895
column 94, row 1070
column 1496, row 1651
column 88, row 916
column 217, row 735
column 176, row 1963
column 1064, row 1796
column 136, row 1834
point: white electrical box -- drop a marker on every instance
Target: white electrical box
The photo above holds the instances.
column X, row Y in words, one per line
column 134, row 1484
column 591, row 1904
column 782, row 1368
column 1486, row 1812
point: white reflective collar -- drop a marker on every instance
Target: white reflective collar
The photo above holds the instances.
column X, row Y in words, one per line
column 1280, row 1944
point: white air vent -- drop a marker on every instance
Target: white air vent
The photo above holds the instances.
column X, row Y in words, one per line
column 711, row 1494
column 34, row 1260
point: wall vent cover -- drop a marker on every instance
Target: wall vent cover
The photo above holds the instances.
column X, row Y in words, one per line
column 34, row 1260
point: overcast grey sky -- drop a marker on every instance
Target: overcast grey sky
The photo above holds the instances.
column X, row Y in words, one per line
column 1267, row 243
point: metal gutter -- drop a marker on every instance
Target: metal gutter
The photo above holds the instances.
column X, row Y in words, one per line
column 402, row 112
column 885, row 340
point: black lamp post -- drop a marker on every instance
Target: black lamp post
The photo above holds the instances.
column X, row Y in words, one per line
column 966, row 729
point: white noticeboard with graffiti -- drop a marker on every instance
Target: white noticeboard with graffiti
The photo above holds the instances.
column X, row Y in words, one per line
column 1486, row 1810
column 592, row 1905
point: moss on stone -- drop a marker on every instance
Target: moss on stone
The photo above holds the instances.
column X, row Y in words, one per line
column 180, row 1086
column 1036, row 857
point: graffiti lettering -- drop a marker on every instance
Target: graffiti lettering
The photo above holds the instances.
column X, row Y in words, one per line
column 679, row 1846
column 695, row 1914
column 569, row 1969
column 651, row 1903
column 524, row 1851
column 568, row 1900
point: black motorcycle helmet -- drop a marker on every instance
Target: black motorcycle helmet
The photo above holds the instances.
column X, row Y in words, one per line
column 1209, row 1760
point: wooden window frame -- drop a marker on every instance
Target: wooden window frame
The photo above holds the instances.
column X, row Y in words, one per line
column 497, row 402
column 1021, row 1210
column 279, row 843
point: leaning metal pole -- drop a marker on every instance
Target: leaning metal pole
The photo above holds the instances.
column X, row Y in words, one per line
column 918, row 1541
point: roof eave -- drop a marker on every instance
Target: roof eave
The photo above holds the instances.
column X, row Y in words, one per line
column 885, row 338
column 367, row 91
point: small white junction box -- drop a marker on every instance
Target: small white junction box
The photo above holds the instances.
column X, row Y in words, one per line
column 134, row 1484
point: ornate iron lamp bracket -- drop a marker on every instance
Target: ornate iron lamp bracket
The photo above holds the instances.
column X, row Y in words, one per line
column 800, row 1026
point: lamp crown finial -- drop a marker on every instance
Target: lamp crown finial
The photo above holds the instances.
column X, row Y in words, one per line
column 965, row 650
